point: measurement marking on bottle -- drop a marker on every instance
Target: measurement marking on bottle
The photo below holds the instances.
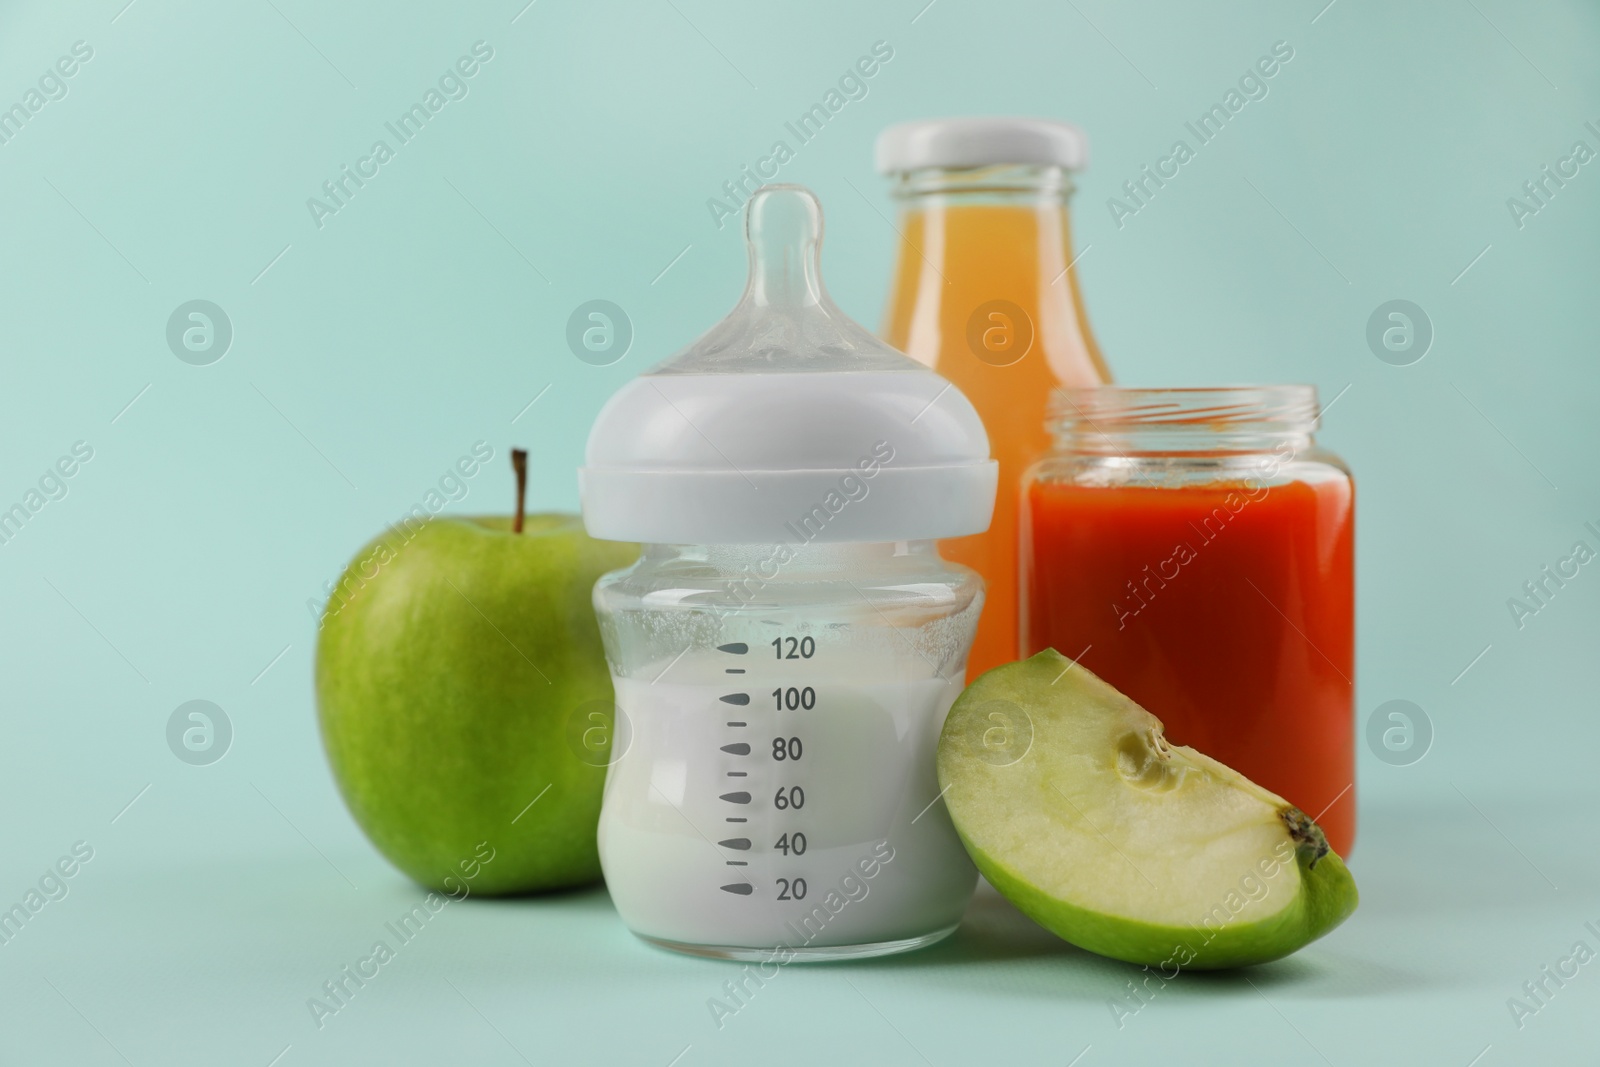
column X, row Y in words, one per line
column 736, row 798
column 738, row 774
column 798, row 648
column 739, row 749
column 738, row 648
column 740, row 843
column 743, row 889
column 737, row 863
column 733, row 670
column 740, row 699
column 793, row 699
column 736, row 820
column 737, row 724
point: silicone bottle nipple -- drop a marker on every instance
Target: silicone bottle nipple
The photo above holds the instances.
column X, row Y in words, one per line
column 783, row 234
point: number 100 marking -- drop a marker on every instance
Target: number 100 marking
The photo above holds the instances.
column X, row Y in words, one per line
column 792, row 699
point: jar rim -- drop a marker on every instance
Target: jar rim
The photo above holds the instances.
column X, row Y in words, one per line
column 1284, row 408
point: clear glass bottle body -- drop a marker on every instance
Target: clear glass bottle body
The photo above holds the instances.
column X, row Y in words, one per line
column 1196, row 548
column 773, row 789
column 982, row 293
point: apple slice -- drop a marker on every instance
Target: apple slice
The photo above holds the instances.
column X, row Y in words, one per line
column 1075, row 807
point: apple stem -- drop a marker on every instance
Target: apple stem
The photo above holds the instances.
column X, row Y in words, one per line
column 1306, row 834
column 519, row 463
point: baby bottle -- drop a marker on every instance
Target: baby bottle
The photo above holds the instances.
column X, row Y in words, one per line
column 786, row 648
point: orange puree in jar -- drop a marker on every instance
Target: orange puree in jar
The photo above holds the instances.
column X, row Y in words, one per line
column 1226, row 609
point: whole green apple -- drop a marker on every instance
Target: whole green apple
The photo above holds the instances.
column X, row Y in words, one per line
column 451, row 684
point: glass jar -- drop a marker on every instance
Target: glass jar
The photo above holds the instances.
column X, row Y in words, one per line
column 777, row 792
column 1194, row 548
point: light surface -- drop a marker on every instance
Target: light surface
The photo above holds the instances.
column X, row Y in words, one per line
column 210, row 961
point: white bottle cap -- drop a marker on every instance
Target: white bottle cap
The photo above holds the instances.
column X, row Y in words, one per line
column 786, row 422
column 981, row 142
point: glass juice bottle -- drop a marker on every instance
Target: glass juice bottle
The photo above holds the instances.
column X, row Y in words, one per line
column 983, row 294
column 786, row 648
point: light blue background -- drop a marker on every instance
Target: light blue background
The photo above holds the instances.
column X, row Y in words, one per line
column 428, row 312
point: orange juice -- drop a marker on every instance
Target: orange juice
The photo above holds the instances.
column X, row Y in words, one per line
column 985, row 293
